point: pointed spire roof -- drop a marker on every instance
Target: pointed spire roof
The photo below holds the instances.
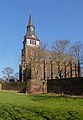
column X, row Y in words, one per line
column 30, row 23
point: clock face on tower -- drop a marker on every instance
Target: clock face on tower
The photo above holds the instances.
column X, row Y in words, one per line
column 31, row 28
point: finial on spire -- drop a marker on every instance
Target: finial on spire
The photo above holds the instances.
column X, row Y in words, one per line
column 30, row 12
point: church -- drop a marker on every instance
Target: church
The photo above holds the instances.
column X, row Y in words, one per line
column 37, row 63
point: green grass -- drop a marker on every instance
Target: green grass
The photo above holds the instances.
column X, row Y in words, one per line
column 15, row 106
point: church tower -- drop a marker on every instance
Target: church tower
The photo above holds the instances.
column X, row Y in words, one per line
column 30, row 39
column 30, row 43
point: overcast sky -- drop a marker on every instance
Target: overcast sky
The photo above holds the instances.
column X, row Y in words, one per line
column 53, row 19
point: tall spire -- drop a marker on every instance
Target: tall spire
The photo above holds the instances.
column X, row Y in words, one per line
column 30, row 23
column 30, row 26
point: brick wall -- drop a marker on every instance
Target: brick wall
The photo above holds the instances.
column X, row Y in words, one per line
column 17, row 86
column 32, row 86
column 68, row 86
column 71, row 86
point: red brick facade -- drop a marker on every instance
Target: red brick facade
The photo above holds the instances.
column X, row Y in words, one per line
column 36, row 70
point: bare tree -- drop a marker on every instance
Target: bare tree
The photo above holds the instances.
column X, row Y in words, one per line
column 77, row 52
column 40, row 54
column 16, row 76
column 7, row 72
column 63, row 58
column 59, row 50
column 35, row 54
column 60, row 55
column 60, row 46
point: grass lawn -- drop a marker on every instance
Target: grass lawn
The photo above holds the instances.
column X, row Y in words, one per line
column 15, row 106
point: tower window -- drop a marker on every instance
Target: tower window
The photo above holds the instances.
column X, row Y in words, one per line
column 33, row 42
